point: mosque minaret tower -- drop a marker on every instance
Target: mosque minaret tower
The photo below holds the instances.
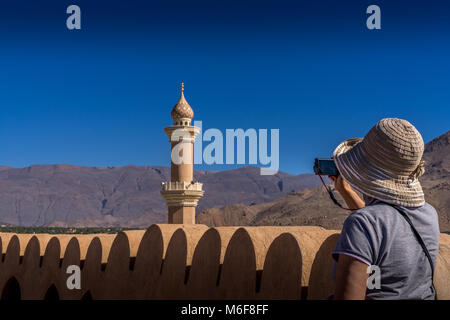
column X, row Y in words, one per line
column 182, row 193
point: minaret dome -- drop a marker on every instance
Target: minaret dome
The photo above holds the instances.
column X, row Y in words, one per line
column 182, row 112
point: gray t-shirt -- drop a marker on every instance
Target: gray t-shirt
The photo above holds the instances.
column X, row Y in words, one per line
column 379, row 235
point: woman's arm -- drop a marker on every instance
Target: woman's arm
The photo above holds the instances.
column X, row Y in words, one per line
column 351, row 279
column 352, row 199
column 351, row 274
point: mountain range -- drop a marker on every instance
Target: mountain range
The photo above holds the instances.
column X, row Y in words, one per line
column 312, row 206
column 68, row 195
column 75, row 196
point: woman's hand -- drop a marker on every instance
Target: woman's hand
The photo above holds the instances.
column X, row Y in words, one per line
column 340, row 184
column 352, row 199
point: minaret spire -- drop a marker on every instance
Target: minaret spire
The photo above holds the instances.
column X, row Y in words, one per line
column 182, row 112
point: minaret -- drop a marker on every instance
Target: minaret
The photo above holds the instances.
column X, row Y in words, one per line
column 182, row 193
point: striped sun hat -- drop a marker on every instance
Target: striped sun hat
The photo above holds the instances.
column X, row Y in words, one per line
column 386, row 164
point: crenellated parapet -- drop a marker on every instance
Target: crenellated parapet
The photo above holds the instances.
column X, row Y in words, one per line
column 173, row 261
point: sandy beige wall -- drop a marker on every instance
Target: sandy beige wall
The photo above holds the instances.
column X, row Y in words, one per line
column 169, row 261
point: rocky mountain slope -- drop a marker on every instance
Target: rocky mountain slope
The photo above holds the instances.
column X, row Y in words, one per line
column 67, row 195
column 313, row 206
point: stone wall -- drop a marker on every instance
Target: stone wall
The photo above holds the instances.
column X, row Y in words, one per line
column 169, row 261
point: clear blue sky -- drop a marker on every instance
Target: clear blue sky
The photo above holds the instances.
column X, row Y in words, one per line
column 102, row 95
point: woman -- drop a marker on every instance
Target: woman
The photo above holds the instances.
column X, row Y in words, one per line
column 384, row 167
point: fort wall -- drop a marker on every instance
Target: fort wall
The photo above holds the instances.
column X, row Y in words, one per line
column 170, row 261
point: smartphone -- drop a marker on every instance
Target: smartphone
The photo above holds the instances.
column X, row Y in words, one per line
column 325, row 167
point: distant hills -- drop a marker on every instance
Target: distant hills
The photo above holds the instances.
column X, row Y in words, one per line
column 67, row 195
column 436, row 181
column 128, row 197
column 312, row 206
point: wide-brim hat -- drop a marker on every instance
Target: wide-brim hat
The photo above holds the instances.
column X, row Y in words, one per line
column 386, row 163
